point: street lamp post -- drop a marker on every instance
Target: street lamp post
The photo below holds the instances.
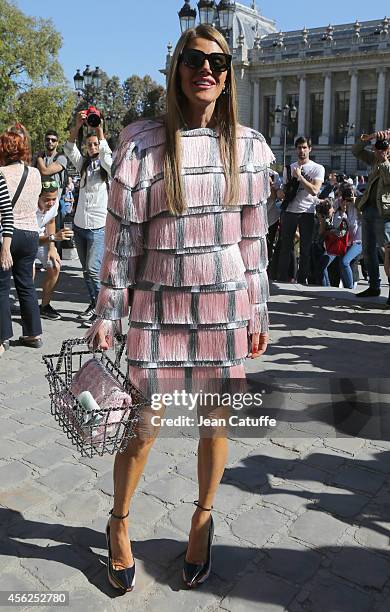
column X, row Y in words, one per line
column 284, row 116
column 226, row 10
column 187, row 16
column 220, row 15
column 207, row 11
column 84, row 82
column 346, row 128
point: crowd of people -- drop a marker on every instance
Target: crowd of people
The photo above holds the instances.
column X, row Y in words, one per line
column 37, row 195
column 321, row 230
column 176, row 228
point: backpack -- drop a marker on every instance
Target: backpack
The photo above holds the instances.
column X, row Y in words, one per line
column 290, row 189
column 63, row 175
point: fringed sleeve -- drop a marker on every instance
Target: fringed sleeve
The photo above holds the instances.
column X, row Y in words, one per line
column 253, row 245
column 123, row 243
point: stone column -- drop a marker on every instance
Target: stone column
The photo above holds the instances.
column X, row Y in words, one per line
column 302, row 106
column 256, row 105
column 353, row 105
column 380, row 100
column 275, row 140
column 324, row 138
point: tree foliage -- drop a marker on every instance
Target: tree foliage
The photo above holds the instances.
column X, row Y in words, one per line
column 122, row 104
column 43, row 108
column 143, row 97
column 29, row 49
column 34, row 91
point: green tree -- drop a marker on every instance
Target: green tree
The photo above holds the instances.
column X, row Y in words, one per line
column 29, row 49
column 122, row 104
column 143, row 97
column 41, row 108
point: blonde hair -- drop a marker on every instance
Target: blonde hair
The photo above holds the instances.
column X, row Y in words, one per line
column 226, row 117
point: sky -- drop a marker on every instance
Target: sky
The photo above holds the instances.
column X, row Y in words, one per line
column 126, row 37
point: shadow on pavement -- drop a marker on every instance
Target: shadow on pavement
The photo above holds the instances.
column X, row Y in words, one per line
column 275, row 573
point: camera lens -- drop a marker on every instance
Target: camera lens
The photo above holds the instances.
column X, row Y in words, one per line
column 93, row 120
column 382, row 145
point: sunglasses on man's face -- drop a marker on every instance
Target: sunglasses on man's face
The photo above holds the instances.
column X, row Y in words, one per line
column 194, row 58
column 48, row 139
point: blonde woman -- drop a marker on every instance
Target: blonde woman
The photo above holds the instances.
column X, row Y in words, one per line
column 185, row 239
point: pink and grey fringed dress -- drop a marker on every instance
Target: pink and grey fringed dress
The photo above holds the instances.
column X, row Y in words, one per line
column 196, row 283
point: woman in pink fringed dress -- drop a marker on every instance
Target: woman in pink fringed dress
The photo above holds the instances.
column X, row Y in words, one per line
column 185, row 248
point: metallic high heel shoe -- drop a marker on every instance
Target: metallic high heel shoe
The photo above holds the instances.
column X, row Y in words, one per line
column 123, row 579
column 193, row 573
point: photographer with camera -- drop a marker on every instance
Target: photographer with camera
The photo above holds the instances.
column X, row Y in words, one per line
column 91, row 211
column 375, row 204
column 299, row 197
column 340, row 228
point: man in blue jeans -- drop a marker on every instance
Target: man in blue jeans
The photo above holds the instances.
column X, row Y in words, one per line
column 300, row 211
column 91, row 211
column 375, row 205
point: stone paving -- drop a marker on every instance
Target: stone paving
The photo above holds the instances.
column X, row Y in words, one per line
column 302, row 520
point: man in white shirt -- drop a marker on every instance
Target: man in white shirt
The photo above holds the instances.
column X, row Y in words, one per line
column 300, row 211
column 91, row 211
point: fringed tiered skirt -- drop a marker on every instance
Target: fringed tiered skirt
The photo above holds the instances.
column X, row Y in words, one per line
column 182, row 336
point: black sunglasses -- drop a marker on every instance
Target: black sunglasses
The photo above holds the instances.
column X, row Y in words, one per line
column 194, row 58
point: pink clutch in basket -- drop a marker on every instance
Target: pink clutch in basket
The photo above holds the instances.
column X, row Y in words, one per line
column 109, row 405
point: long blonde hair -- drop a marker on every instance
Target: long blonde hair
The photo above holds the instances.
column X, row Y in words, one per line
column 226, row 116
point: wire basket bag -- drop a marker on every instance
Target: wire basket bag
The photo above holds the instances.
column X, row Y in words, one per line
column 92, row 400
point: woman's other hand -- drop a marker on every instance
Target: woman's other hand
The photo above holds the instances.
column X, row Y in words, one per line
column 5, row 259
column 259, row 344
column 100, row 340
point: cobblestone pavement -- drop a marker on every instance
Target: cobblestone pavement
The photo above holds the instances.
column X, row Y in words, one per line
column 302, row 521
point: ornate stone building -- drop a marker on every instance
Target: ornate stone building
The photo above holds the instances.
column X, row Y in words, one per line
column 336, row 77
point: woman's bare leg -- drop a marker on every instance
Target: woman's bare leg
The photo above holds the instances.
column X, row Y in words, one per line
column 212, row 457
column 128, row 469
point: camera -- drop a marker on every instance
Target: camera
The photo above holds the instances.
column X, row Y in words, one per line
column 382, row 145
column 93, row 116
column 323, row 208
column 341, row 178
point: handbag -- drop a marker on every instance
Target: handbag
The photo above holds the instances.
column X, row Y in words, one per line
column 290, row 189
column 336, row 241
column 92, row 400
column 110, row 403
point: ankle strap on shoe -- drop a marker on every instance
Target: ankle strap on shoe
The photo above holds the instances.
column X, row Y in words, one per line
column 201, row 507
column 117, row 515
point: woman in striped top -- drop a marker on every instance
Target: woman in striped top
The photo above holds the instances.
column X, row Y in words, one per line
column 6, row 231
column 185, row 234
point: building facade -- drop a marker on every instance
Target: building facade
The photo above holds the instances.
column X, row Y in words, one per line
column 337, row 77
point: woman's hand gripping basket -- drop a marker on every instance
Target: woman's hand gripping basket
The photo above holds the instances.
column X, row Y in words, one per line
column 94, row 403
